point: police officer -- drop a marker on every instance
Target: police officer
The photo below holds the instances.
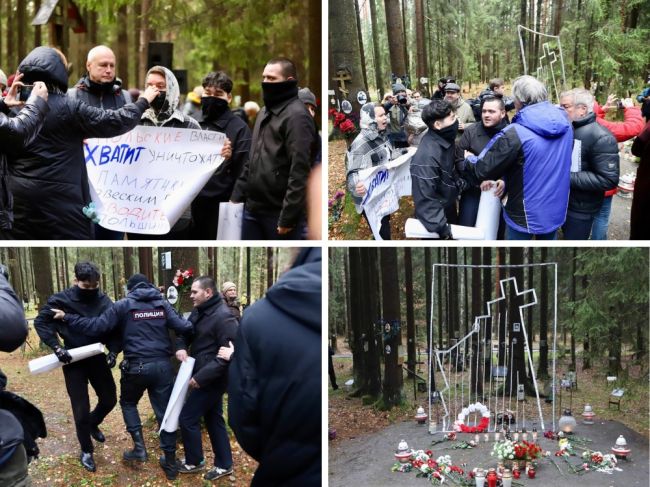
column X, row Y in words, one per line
column 143, row 320
column 84, row 299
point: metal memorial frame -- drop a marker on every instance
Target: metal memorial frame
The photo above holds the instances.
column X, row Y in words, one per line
column 548, row 54
column 477, row 328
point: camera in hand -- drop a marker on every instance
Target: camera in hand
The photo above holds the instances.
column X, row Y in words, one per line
column 25, row 92
column 402, row 99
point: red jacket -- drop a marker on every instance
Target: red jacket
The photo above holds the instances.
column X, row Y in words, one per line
column 631, row 127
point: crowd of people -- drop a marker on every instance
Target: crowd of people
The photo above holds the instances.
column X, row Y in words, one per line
column 271, row 373
column 554, row 167
column 269, row 153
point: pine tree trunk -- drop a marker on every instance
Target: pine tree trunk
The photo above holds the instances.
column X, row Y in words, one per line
column 145, row 263
column 542, row 372
column 379, row 79
column 269, row 267
column 410, row 319
column 43, row 282
column 315, row 58
column 393, row 377
column 395, row 30
column 123, row 47
column 362, row 51
column 345, row 52
column 422, row 69
column 356, row 317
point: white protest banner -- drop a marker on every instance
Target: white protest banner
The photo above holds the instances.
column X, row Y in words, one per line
column 489, row 211
column 415, row 229
column 231, row 218
column 487, row 222
column 51, row 362
column 177, row 398
column 143, row 180
column 385, row 185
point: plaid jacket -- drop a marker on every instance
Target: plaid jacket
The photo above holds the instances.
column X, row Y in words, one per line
column 369, row 149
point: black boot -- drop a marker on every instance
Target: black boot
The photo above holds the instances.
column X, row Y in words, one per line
column 87, row 461
column 168, row 464
column 139, row 452
column 96, row 433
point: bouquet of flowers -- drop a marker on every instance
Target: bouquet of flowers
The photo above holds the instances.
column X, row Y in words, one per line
column 525, row 450
column 595, row 460
column 345, row 125
column 504, row 450
column 437, row 471
column 182, row 282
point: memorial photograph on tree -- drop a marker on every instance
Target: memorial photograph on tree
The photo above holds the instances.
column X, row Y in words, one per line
column 452, row 364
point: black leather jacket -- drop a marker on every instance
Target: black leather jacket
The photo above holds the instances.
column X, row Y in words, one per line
column 599, row 165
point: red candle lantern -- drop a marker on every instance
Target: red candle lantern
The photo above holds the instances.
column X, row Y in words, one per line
column 492, row 478
column 531, row 473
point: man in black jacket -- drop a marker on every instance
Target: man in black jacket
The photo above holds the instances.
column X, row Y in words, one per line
column 84, row 299
column 214, row 327
column 474, row 139
column 274, row 179
column 48, row 176
column 100, row 88
column 596, row 168
column 274, row 383
column 217, row 88
column 435, row 182
column 143, row 320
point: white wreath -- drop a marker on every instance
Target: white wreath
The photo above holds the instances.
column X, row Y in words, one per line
column 477, row 407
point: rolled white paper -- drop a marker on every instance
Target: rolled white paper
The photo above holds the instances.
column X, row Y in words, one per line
column 489, row 211
column 415, row 229
column 177, row 398
column 51, row 362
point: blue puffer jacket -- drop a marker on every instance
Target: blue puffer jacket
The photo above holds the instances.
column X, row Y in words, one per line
column 533, row 157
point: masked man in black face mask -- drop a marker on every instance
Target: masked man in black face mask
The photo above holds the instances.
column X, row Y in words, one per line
column 274, row 180
column 164, row 113
column 218, row 117
column 85, row 299
column 435, row 181
column 100, row 88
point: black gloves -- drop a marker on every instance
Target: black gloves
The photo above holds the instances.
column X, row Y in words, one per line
column 63, row 355
column 110, row 359
column 461, row 185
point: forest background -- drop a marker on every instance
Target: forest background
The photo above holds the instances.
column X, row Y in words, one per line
column 237, row 36
column 603, row 41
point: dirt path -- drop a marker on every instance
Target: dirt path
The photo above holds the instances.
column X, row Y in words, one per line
column 58, row 464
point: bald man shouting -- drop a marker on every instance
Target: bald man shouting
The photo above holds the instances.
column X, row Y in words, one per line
column 100, row 88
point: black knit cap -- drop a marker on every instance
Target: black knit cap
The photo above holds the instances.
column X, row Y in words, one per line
column 134, row 280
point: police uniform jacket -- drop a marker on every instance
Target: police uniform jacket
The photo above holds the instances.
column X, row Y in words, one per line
column 143, row 319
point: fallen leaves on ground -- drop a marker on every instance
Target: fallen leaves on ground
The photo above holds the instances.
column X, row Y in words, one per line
column 58, row 465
